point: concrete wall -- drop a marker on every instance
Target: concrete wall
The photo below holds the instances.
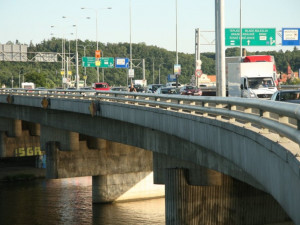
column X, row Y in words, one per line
column 19, row 139
column 229, row 202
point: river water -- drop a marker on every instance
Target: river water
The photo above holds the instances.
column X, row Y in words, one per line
column 69, row 201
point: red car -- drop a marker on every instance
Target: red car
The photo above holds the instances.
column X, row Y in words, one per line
column 190, row 90
column 102, row 86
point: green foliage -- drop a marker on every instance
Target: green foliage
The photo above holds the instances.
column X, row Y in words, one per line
column 156, row 59
column 292, row 81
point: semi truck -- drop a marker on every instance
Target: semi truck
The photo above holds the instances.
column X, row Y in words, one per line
column 251, row 77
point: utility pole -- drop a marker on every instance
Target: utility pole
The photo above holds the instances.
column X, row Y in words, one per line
column 198, row 62
column 220, row 48
column 153, row 70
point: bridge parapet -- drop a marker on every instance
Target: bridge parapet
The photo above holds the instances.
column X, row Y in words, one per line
column 262, row 116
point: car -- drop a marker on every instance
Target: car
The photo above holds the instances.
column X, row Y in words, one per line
column 152, row 88
column 292, row 96
column 190, row 90
column 168, row 91
column 101, row 86
column 173, row 84
column 119, row 89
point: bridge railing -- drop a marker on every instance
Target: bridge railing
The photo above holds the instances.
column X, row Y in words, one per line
column 264, row 116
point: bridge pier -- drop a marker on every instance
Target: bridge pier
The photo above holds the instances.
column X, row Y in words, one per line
column 68, row 141
column 125, row 187
column 232, row 202
column 13, row 128
column 2, row 144
column 120, row 172
column 19, row 138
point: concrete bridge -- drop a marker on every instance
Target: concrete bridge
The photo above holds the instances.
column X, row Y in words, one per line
column 222, row 160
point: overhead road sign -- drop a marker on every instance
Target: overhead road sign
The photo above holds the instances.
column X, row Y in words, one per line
column 104, row 62
column 107, row 62
column 122, row 63
column 250, row 37
column 88, row 61
column 291, row 36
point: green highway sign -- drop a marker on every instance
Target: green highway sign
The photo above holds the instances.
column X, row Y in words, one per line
column 250, row 37
column 88, row 62
column 104, row 62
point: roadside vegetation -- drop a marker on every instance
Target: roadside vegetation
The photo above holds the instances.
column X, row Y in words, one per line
column 48, row 74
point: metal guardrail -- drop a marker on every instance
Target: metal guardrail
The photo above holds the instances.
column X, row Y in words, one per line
column 285, row 87
column 264, row 116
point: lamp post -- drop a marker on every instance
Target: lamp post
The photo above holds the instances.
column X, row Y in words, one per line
column 241, row 33
column 76, row 56
column 176, row 48
column 62, row 56
column 96, row 12
column 153, row 70
column 77, row 72
column 159, row 72
column 84, row 47
column 130, row 48
column 12, row 81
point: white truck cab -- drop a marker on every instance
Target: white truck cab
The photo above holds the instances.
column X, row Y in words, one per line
column 251, row 79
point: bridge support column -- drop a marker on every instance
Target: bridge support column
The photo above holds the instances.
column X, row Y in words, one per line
column 52, row 159
column 68, row 141
column 233, row 202
column 13, row 128
column 125, row 187
column 2, row 144
column 96, row 143
column 34, row 129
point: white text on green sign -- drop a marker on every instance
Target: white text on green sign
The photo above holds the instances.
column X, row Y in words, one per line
column 105, row 62
column 250, row 37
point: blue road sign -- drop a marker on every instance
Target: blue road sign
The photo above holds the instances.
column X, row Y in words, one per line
column 122, row 63
column 291, row 36
column 171, row 78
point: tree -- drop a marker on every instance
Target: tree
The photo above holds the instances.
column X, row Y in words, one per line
column 39, row 79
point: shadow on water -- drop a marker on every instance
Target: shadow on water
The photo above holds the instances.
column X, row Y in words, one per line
column 69, row 201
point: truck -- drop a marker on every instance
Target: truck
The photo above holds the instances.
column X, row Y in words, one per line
column 143, row 83
column 251, row 77
column 28, row 85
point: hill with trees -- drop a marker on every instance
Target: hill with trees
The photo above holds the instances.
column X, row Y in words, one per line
column 156, row 59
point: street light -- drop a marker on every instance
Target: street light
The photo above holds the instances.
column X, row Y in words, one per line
column 84, row 47
column 241, row 51
column 62, row 56
column 77, row 72
column 96, row 11
column 76, row 56
column 153, row 69
column 159, row 72
column 176, row 48
column 130, row 41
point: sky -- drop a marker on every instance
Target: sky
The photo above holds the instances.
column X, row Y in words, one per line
column 153, row 22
